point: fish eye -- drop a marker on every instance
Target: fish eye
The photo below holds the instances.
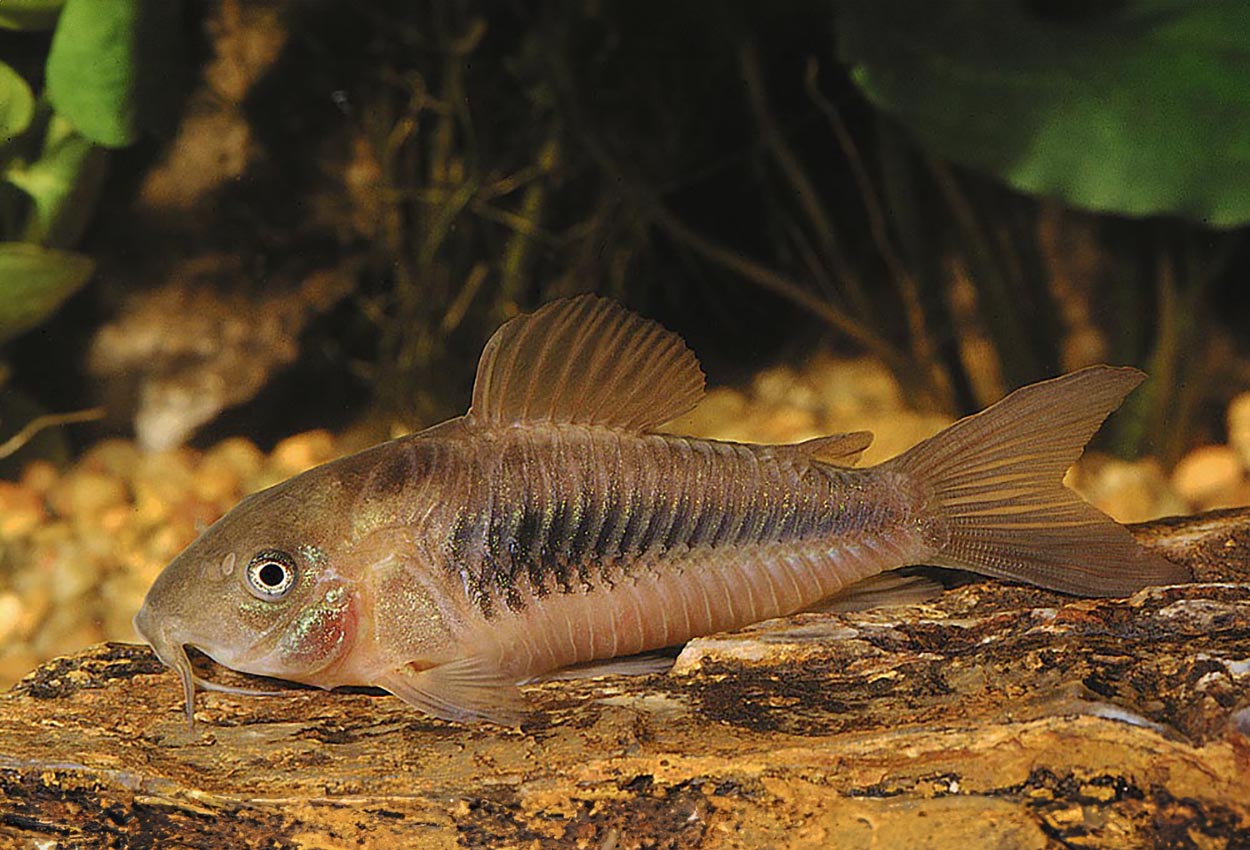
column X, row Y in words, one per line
column 271, row 574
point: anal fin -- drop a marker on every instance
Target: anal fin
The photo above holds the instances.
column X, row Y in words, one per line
column 465, row 690
column 886, row 590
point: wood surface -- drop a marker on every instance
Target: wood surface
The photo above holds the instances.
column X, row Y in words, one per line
column 993, row 716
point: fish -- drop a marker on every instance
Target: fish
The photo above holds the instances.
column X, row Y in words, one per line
column 555, row 524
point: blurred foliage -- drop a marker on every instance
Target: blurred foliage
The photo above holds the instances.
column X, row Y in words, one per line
column 102, row 62
column 482, row 210
column 112, row 67
column 1137, row 108
column 30, row 14
column 625, row 147
column 17, row 104
column 61, row 185
column 496, row 136
column 35, row 282
column 98, row 63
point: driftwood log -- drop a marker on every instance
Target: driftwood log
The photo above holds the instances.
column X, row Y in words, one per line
column 994, row 716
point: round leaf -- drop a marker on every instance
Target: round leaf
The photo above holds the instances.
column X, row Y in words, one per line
column 35, row 281
column 1139, row 108
column 93, row 69
column 17, row 104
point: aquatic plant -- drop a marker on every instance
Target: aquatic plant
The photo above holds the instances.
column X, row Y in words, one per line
column 1133, row 109
column 685, row 158
column 103, row 73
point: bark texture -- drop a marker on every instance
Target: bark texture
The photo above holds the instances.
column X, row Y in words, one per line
column 994, row 716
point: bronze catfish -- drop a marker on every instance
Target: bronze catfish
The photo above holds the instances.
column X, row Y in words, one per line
column 551, row 526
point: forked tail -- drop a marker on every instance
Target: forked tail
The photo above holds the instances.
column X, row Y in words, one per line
column 995, row 489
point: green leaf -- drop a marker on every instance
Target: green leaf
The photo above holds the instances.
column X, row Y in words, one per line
column 92, row 70
column 112, row 64
column 64, row 184
column 35, row 281
column 17, row 104
column 29, row 14
column 1140, row 107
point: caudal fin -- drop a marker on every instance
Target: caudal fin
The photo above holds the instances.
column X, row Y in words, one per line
column 995, row 484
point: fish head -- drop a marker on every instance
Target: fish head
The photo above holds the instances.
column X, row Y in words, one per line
column 261, row 590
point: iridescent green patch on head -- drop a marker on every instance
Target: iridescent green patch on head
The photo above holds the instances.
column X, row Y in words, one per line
column 318, row 631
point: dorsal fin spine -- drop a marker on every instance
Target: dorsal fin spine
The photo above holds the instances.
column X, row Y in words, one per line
column 585, row 360
column 603, row 392
column 578, row 333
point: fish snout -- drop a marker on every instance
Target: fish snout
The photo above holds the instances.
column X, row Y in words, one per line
column 144, row 621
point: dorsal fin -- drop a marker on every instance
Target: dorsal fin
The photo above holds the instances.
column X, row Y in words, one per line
column 835, row 449
column 585, row 360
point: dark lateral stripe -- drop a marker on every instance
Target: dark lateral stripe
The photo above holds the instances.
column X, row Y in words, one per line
column 593, row 517
column 636, row 521
column 680, row 527
column 523, row 542
column 705, row 523
column 611, row 532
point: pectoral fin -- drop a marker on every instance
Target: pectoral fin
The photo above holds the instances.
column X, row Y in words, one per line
column 207, row 685
column 466, row 690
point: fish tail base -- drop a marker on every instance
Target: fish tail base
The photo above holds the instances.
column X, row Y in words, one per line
column 994, row 493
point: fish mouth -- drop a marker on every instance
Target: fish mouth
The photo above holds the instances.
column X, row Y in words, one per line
column 173, row 654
